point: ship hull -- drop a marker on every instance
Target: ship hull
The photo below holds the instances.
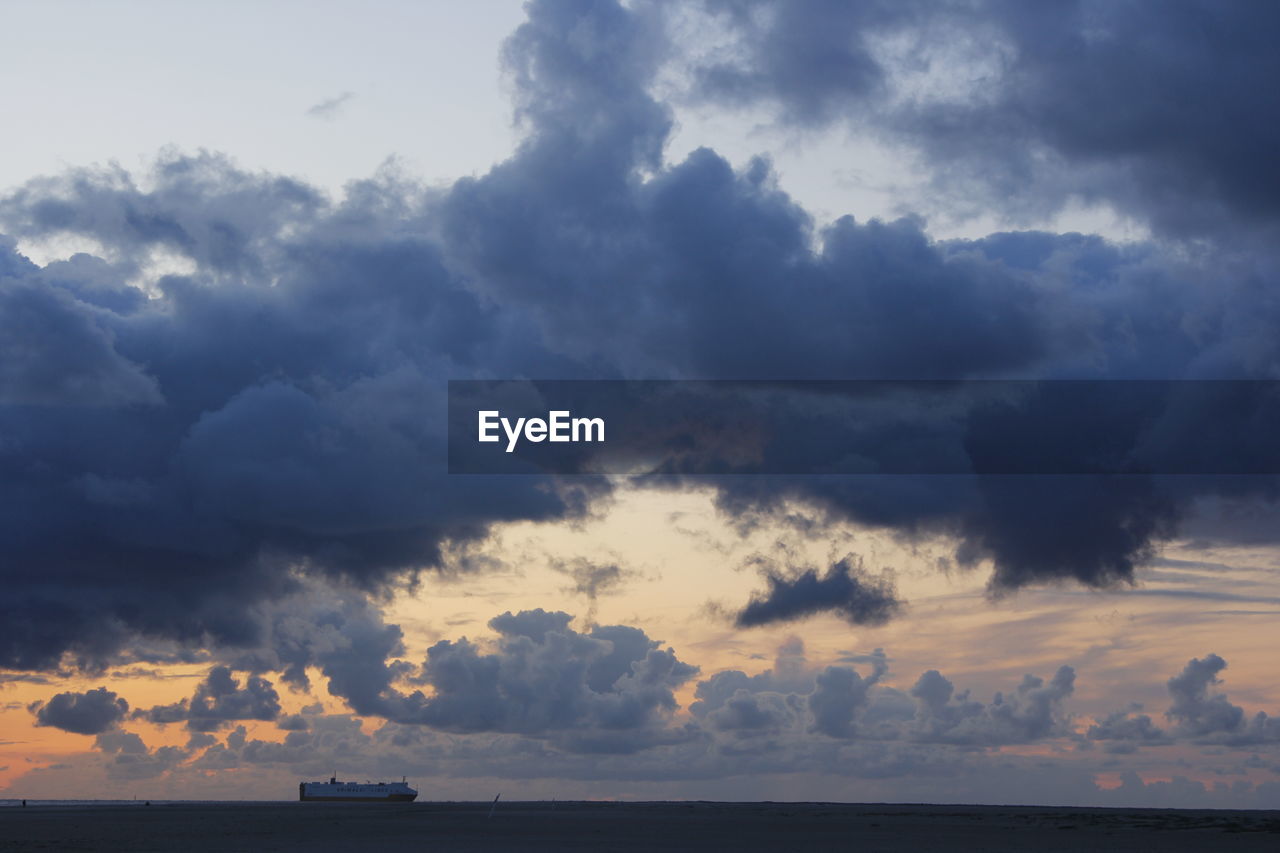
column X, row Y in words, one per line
column 334, row 791
column 390, row 798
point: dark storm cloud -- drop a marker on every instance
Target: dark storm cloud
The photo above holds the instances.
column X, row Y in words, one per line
column 335, row 629
column 53, row 353
column 89, row 713
column 1092, row 529
column 183, row 456
column 845, row 589
column 275, row 410
column 1159, row 108
column 710, row 272
column 813, row 61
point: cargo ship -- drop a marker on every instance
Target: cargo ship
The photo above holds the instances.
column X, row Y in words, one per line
column 334, row 791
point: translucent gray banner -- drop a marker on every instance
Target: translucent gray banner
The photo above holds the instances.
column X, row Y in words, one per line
column 1222, row 427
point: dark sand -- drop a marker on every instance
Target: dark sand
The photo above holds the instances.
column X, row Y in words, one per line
column 391, row 828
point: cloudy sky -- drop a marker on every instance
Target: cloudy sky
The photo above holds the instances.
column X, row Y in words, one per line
column 243, row 248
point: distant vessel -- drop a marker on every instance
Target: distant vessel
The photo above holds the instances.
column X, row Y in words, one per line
column 334, row 791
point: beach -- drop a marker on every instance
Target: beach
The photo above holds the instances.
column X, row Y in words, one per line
column 624, row 826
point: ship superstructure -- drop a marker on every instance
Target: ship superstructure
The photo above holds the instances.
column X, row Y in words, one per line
column 356, row 792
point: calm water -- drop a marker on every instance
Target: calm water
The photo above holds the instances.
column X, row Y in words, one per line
column 131, row 802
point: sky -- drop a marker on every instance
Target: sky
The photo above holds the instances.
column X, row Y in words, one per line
column 244, row 247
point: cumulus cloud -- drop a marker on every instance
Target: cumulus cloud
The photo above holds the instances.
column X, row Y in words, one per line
column 524, row 720
column 1124, row 731
column 1211, row 717
column 218, row 700
column 544, row 701
column 1126, row 103
column 1197, row 714
column 55, row 351
column 90, row 713
column 839, row 694
column 173, row 519
column 835, row 701
column 745, row 706
column 131, row 759
column 790, row 674
column 1031, row 712
column 116, row 742
column 608, row 690
column 752, row 713
column 1194, row 709
column 271, row 419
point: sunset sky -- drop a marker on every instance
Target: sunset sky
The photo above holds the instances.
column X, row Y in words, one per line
column 244, row 247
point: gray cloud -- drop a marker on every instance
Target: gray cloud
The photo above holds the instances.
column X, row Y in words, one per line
column 839, row 695
column 131, row 759
column 608, row 690
column 218, row 700
column 55, row 352
column 1125, row 731
column 1125, row 103
column 1194, row 709
column 89, row 713
column 754, row 713
column 546, row 702
column 592, row 579
column 1031, row 712
column 790, row 674
column 330, row 108
column 201, row 449
column 115, row 742
column 845, row 589
column 1210, row 717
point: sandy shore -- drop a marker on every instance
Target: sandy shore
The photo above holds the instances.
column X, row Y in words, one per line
column 625, row 826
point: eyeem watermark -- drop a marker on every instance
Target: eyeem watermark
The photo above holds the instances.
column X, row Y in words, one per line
column 861, row 427
column 558, row 426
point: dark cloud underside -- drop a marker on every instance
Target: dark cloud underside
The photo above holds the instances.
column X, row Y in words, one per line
column 182, row 459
